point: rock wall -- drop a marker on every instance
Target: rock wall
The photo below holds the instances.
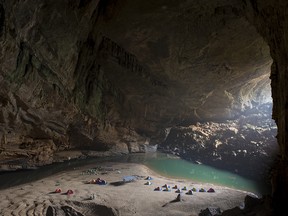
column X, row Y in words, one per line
column 271, row 20
column 55, row 95
column 112, row 75
column 248, row 140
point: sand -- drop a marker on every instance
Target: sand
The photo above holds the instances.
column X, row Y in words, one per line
column 115, row 198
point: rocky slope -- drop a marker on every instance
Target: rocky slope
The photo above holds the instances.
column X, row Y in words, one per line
column 246, row 145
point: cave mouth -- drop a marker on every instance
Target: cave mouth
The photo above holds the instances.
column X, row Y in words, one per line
column 232, row 126
column 216, row 85
column 245, row 145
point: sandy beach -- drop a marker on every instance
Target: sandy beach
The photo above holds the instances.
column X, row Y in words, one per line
column 114, row 198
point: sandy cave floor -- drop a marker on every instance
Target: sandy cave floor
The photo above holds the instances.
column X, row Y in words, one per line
column 133, row 198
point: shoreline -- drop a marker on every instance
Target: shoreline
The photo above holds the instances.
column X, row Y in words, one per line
column 134, row 198
column 198, row 182
column 74, row 163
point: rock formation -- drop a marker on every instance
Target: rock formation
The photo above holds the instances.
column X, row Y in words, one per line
column 81, row 74
column 248, row 143
column 270, row 19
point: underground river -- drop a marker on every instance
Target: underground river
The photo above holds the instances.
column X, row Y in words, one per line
column 164, row 164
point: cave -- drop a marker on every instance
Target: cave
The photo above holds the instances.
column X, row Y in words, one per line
column 199, row 79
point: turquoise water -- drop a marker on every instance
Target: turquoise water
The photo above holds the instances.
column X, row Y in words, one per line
column 175, row 167
column 163, row 164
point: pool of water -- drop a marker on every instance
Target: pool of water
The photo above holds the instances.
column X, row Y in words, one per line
column 176, row 167
column 163, row 164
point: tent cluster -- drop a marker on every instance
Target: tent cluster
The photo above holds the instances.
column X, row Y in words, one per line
column 163, row 188
column 177, row 189
column 180, row 190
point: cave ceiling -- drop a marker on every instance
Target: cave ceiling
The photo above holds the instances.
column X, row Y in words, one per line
column 210, row 61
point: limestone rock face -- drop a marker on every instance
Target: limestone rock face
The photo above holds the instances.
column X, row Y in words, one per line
column 198, row 51
column 112, row 75
column 246, row 146
column 270, row 18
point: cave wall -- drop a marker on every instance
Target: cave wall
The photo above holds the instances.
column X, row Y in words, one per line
column 54, row 93
column 271, row 20
column 211, row 67
column 112, row 75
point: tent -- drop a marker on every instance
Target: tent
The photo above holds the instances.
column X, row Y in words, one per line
column 211, row 190
column 148, row 178
column 157, row 189
column 175, row 187
column 178, row 191
column 148, row 183
column 202, row 190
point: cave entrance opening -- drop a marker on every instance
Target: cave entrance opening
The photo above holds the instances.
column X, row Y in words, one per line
column 243, row 142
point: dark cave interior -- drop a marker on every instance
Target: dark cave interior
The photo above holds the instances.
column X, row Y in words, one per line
column 116, row 77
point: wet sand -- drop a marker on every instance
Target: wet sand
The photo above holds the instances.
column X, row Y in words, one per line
column 114, row 198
